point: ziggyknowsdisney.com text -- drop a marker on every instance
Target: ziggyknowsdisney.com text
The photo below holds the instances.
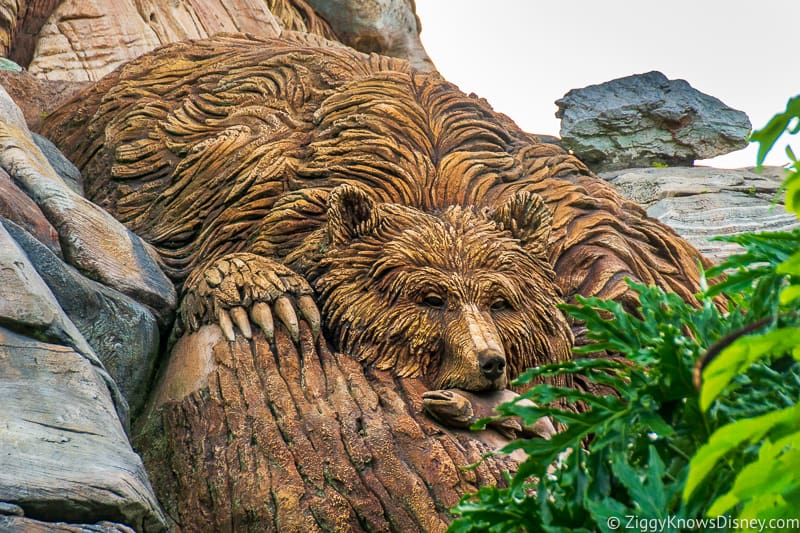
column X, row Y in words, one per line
column 654, row 525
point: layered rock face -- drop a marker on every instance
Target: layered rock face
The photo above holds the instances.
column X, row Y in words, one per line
column 702, row 202
column 644, row 119
column 77, row 347
column 37, row 97
column 388, row 27
column 643, row 133
column 80, row 40
column 84, row 40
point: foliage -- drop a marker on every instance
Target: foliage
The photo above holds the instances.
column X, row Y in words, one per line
column 768, row 486
column 659, row 448
column 788, row 121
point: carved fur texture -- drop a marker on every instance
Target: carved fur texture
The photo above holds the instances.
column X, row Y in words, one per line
column 412, row 208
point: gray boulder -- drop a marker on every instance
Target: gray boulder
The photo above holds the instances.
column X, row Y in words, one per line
column 7, row 64
column 19, row 524
column 388, row 27
column 65, row 460
column 90, row 238
column 702, row 202
column 64, row 456
column 644, row 119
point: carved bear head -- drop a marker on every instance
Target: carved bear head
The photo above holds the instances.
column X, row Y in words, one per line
column 464, row 298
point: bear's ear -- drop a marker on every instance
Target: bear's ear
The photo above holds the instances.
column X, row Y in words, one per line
column 528, row 219
column 351, row 214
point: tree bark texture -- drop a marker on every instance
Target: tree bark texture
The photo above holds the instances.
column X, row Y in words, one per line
column 281, row 438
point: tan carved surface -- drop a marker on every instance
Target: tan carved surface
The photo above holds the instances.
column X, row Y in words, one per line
column 435, row 237
column 81, row 40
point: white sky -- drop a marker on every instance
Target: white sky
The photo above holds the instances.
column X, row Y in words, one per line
column 522, row 55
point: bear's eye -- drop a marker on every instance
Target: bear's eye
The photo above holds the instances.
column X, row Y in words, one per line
column 433, row 300
column 500, row 304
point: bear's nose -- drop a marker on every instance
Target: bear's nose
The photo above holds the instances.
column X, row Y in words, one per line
column 492, row 365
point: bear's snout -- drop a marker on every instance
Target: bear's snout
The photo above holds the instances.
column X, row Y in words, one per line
column 474, row 356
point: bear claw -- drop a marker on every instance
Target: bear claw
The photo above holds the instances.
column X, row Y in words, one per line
column 226, row 325
column 262, row 316
column 460, row 409
column 285, row 313
column 449, row 407
column 241, row 287
column 308, row 308
column 239, row 316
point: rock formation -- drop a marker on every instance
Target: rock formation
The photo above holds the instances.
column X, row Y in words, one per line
column 79, row 40
column 701, row 202
column 388, row 27
column 644, row 119
column 73, row 351
column 37, row 97
column 260, row 168
column 285, row 436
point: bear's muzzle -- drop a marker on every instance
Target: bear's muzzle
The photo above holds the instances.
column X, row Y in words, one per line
column 475, row 359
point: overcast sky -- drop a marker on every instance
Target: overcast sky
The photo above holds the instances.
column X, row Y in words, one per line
column 522, row 55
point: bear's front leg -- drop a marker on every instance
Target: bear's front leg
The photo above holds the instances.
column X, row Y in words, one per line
column 240, row 287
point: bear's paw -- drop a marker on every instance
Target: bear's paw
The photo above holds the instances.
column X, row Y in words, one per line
column 242, row 287
column 461, row 409
column 452, row 408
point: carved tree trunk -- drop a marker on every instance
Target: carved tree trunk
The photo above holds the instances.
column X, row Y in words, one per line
column 247, row 437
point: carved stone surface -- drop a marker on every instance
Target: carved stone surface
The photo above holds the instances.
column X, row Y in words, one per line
column 325, row 223
column 63, row 166
column 643, row 119
column 90, row 238
column 289, row 437
column 36, row 97
column 64, row 452
column 9, row 13
column 8, row 65
column 11, row 113
column 20, row 23
column 19, row 524
column 428, row 227
column 388, row 27
column 122, row 332
column 83, row 40
column 15, row 205
column 64, row 455
column 79, row 41
column 27, row 304
column 701, row 202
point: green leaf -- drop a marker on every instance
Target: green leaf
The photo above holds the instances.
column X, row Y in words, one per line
column 792, row 185
column 791, row 266
column 575, row 366
column 769, row 134
column 646, row 488
column 741, row 354
column 771, row 475
column 605, row 509
column 790, row 294
column 729, row 437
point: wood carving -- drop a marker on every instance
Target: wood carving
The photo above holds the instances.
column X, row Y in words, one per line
column 417, row 230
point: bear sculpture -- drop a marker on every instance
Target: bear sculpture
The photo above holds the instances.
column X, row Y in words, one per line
column 274, row 176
